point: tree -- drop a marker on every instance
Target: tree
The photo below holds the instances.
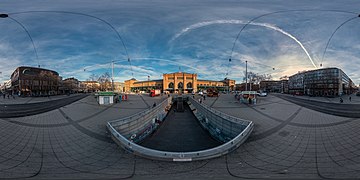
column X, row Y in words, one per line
column 93, row 77
column 284, row 78
column 104, row 80
column 257, row 78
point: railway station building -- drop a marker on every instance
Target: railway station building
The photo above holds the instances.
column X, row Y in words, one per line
column 179, row 82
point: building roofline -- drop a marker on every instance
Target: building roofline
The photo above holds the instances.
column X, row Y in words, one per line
column 157, row 80
column 306, row 71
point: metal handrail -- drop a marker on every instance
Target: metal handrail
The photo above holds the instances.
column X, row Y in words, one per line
column 181, row 156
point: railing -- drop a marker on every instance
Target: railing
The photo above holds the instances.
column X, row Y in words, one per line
column 136, row 127
column 221, row 126
column 234, row 141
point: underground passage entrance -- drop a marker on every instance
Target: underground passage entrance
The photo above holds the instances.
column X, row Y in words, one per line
column 184, row 131
column 180, row 132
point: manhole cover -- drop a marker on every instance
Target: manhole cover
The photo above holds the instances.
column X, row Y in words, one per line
column 284, row 133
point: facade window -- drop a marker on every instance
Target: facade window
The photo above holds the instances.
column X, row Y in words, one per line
column 189, row 85
column 171, row 85
column 180, row 85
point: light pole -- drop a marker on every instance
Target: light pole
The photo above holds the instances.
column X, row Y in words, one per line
column 148, row 82
column 246, row 76
column 112, row 75
column 27, row 32
column 328, row 42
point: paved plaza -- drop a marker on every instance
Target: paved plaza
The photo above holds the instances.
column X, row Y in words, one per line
column 288, row 142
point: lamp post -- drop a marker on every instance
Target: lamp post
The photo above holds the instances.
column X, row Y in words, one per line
column 27, row 32
column 328, row 42
column 112, row 75
column 148, row 82
column 246, row 76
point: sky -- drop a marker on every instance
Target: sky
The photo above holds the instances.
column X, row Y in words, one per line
column 78, row 38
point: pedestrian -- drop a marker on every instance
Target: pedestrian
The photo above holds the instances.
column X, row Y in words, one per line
column 341, row 100
column 154, row 104
column 204, row 98
column 350, row 98
column 4, row 95
column 8, row 96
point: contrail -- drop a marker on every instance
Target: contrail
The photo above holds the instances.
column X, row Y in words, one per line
column 169, row 61
column 270, row 26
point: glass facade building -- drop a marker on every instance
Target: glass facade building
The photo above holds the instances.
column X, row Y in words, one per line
column 321, row 82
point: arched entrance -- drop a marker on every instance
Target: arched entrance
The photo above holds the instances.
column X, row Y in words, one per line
column 170, row 87
column 189, row 87
column 180, row 87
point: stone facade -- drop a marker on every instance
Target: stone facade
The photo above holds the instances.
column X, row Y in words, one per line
column 179, row 82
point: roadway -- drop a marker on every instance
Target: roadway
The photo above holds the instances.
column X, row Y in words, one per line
column 27, row 109
column 338, row 109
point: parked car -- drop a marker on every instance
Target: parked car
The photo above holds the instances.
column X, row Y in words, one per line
column 358, row 93
column 263, row 94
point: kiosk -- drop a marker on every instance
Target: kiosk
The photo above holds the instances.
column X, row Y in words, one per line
column 248, row 97
column 105, row 98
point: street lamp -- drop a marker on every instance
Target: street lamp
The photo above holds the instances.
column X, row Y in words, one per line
column 148, row 82
column 27, row 32
column 328, row 42
column 112, row 75
column 246, row 76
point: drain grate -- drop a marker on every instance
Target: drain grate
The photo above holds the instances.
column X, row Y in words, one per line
column 284, row 133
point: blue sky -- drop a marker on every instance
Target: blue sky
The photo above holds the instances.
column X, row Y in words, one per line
column 161, row 36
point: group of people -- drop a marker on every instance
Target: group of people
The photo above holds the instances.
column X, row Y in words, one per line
column 8, row 95
column 341, row 99
column 201, row 98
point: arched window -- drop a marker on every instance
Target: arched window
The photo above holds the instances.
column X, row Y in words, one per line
column 180, row 85
column 171, row 85
column 189, row 85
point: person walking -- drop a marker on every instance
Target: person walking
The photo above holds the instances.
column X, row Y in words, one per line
column 341, row 100
column 350, row 98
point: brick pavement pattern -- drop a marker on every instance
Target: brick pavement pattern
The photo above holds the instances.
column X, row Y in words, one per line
column 288, row 142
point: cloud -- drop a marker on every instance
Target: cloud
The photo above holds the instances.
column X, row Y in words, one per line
column 270, row 26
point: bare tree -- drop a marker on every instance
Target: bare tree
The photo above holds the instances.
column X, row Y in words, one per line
column 257, row 78
column 284, row 78
column 104, row 80
column 93, row 77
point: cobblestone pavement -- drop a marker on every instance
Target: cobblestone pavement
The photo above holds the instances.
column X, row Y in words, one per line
column 288, row 142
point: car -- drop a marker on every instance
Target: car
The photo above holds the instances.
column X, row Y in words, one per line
column 200, row 93
column 262, row 94
column 358, row 93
